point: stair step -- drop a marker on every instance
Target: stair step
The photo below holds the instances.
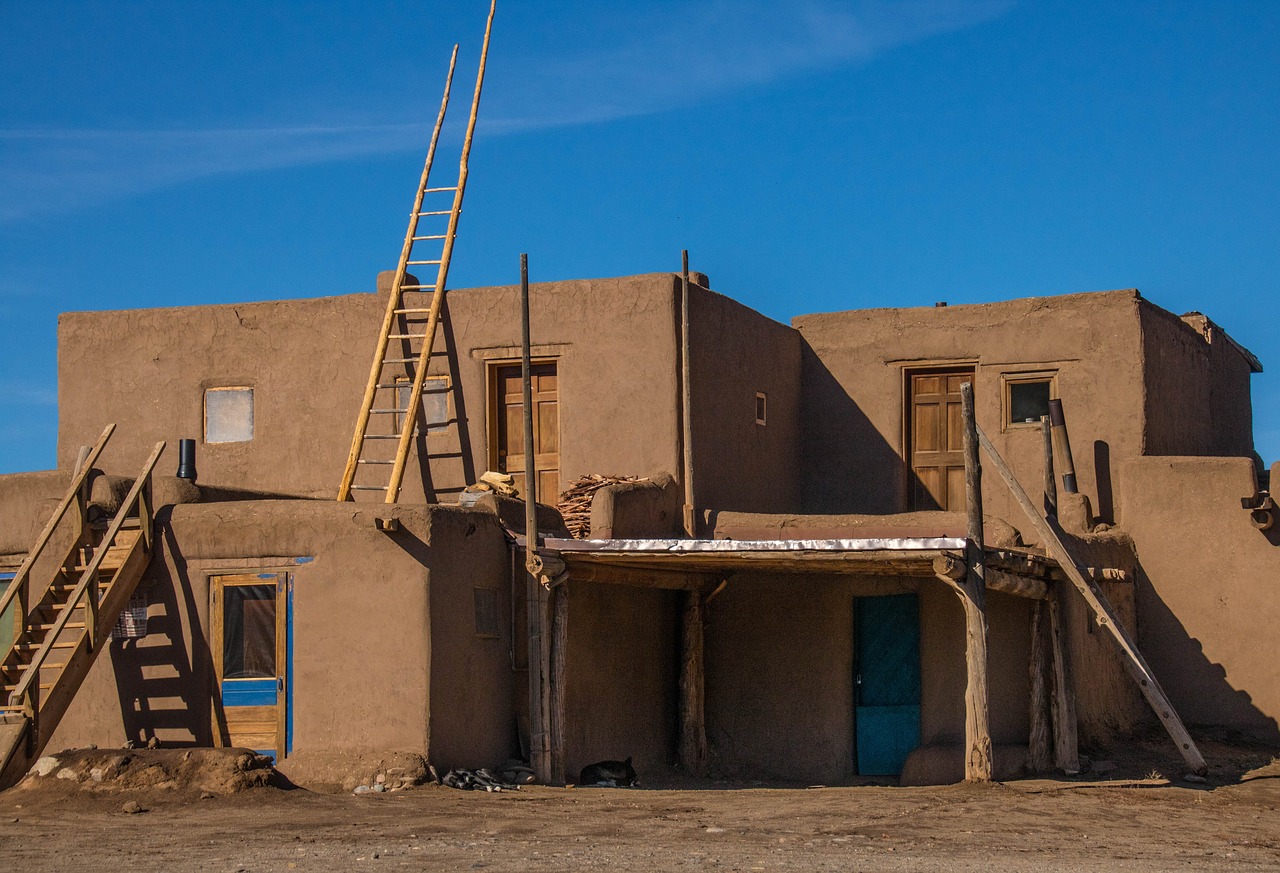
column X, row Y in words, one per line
column 71, row 625
column 32, row 647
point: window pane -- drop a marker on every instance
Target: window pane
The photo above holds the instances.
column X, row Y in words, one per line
column 228, row 415
column 1028, row 401
column 249, row 632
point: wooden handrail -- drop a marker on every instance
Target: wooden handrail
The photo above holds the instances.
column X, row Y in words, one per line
column 32, row 672
column 77, row 483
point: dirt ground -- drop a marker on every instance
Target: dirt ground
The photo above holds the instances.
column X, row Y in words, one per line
column 205, row 814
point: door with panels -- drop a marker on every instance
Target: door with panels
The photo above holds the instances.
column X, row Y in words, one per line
column 935, row 439
column 506, row 436
column 250, row 622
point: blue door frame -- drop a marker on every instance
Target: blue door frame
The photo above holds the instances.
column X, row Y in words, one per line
column 255, row 695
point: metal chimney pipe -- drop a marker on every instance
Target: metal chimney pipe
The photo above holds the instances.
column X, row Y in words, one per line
column 187, row 460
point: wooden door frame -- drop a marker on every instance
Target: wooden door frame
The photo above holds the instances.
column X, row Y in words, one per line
column 491, row 402
column 283, row 653
column 922, row 368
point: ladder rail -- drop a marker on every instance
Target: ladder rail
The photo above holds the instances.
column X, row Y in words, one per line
column 21, row 580
column 437, row 298
column 384, row 337
column 88, row 582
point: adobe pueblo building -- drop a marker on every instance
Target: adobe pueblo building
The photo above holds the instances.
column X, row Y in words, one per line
column 798, row 589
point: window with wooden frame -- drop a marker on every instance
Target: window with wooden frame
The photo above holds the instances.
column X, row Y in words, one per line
column 435, row 402
column 228, row 415
column 1026, row 398
column 762, row 404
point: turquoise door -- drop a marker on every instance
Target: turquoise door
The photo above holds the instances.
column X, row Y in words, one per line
column 886, row 682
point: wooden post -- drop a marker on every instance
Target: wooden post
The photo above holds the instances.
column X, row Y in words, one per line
column 559, row 643
column 1066, row 742
column 977, row 722
column 1050, row 481
column 1049, row 533
column 693, row 725
column 686, row 402
column 1039, row 745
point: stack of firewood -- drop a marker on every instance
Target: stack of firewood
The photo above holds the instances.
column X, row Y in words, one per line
column 575, row 502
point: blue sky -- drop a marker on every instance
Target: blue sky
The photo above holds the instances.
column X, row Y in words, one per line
column 812, row 155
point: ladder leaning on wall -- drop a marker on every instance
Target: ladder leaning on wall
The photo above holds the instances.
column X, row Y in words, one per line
column 397, row 379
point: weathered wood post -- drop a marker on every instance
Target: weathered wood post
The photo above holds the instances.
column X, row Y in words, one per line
column 559, row 644
column 693, row 724
column 1039, row 742
column 1050, row 480
column 1066, row 739
column 973, row 594
column 538, row 599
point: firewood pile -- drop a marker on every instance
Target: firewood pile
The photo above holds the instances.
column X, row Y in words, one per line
column 575, row 502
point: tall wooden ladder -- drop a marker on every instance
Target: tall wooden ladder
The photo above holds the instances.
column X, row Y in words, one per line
column 63, row 616
column 398, row 378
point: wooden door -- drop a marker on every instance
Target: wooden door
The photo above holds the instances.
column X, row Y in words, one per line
column 507, row 453
column 936, row 439
column 886, row 682
column 249, row 632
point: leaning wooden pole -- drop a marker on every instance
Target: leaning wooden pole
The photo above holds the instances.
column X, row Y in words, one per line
column 1050, row 536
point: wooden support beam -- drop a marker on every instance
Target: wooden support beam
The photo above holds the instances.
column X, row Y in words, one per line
column 640, row 577
column 559, row 650
column 972, row 591
column 539, row 727
column 1030, row 587
column 1062, row 706
column 1051, row 537
column 693, row 724
column 1039, row 742
column 1050, row 481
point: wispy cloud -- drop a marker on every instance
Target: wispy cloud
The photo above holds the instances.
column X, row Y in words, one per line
column 17, row 394
column 680, row 54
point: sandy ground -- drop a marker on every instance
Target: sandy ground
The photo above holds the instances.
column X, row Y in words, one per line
column 1127, row 823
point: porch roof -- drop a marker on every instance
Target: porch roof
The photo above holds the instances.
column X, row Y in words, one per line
column 898, row 556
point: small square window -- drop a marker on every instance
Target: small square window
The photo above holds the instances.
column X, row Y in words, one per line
column 435, row 401
column 762, row 403
column 228, row 415
column 486, row 611
column 1027, row 400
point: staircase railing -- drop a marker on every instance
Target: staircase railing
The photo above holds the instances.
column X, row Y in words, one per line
column 20, row 586
column 26, row 694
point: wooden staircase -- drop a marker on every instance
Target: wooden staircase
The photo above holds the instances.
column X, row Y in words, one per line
column 63, row 621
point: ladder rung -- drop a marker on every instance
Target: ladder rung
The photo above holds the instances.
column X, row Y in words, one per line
column 410, row 311
column 406, row 336
column 44, row 686
column 363, row 461
column 31, row 647
column 430, row 236
column 419, row 263
column 416, row 287
column 71, row 625
column 386, row 411
column 382, row 436
column 368, row 487
column 438, row 212
column 409, row 360
column 436, row 190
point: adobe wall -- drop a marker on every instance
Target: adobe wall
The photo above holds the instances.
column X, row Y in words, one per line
column 308, row 361
column 854, row 376
column 735, row 353
column 621, row 676
column 363, row 636
column 1208, row 602
column 779, row 672
column 26, row 502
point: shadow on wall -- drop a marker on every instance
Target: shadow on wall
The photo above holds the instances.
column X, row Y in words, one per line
column 846, row 464
column 1199, row 688
column 461, row 452
column 176, row 700
column 1106, row 511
